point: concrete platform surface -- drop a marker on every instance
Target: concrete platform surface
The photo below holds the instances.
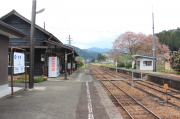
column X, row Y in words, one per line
column 8, row 91
column 79, row 97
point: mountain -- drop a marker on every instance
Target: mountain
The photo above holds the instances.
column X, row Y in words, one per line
column 98, row 50
column 86, row 54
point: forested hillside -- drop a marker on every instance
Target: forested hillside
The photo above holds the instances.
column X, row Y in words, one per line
column 170, row 38
column 86, row 54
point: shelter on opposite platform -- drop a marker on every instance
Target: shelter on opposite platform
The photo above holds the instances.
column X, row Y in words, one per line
column 144, row 62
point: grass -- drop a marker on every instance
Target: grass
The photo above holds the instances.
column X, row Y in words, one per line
column 37, row 80
column 170, row 71
column 106, row 65
column 82, row 67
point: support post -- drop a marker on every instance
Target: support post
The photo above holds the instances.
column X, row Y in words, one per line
column 12, row 73
column 154, row 67
column 71, row 64
column 65, row 64
column 132, row 77
column 25, row 70
column 116, row 69
column 31, row 67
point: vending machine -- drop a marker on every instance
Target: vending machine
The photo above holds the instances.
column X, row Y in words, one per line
column 53, row 69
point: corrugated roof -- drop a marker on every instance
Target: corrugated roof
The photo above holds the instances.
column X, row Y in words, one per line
column 145, row 56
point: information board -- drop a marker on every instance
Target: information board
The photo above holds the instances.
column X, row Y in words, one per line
column 19, row 63
column 69, row 65
column 73, row 65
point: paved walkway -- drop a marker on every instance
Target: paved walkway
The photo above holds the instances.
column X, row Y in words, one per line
column 79, row 97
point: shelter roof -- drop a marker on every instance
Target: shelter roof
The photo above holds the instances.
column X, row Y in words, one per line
column 145, row 56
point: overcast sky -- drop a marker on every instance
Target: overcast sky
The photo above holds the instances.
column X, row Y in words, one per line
column 97, row 23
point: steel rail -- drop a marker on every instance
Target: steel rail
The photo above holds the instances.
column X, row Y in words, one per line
column 124, row 76
column 115, row 76
column 157, row 90
column 131, row 97
column 154, row 88
column 113, row 95
column 161, row 87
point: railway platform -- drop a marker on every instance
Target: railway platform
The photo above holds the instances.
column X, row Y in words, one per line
column 79, row 97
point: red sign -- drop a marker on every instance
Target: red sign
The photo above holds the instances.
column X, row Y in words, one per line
column 53, row 64
column 166, row 86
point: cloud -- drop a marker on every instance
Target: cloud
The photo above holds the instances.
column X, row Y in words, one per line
column 98, row 22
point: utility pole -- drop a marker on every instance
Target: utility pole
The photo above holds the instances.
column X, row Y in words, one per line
column 70, row 40
column 153, row 44
column 31, row 66
column 32, row 40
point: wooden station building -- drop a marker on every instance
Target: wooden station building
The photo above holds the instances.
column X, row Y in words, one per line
column 46, row 45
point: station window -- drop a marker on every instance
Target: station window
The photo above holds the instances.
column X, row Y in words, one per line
column 147, row 63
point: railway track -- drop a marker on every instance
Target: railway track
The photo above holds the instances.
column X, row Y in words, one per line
column 132, row 107
column 171, row 92
column 119, row 75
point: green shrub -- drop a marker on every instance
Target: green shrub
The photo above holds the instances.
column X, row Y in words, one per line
column 129, row 65
column 134, row 66
column 37, row 80
column 79, row 64
column 120, row 64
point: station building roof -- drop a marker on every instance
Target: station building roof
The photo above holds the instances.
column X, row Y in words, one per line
column 11, row 32
column 56, row 41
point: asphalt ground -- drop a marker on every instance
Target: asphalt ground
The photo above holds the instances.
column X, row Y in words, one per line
column 58, row 99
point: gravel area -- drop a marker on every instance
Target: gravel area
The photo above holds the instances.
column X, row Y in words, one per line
column 150, row 102
column 153, row 100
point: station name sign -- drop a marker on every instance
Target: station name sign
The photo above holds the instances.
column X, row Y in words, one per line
column 19, row 63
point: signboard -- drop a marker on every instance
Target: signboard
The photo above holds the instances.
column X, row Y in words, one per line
column 18, row 63
column 52, row 69
column 166, row 86
column 69, row 65
column 133, row 62
column 73, row 65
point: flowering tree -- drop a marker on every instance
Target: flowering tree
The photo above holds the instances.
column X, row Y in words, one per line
column 116, row 51
column 175, row 61
column 147, row 44
column 138, row 43
column 129, row 41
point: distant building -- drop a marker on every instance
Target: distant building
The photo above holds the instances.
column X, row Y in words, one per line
column 105, row 54
column 109, row 60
